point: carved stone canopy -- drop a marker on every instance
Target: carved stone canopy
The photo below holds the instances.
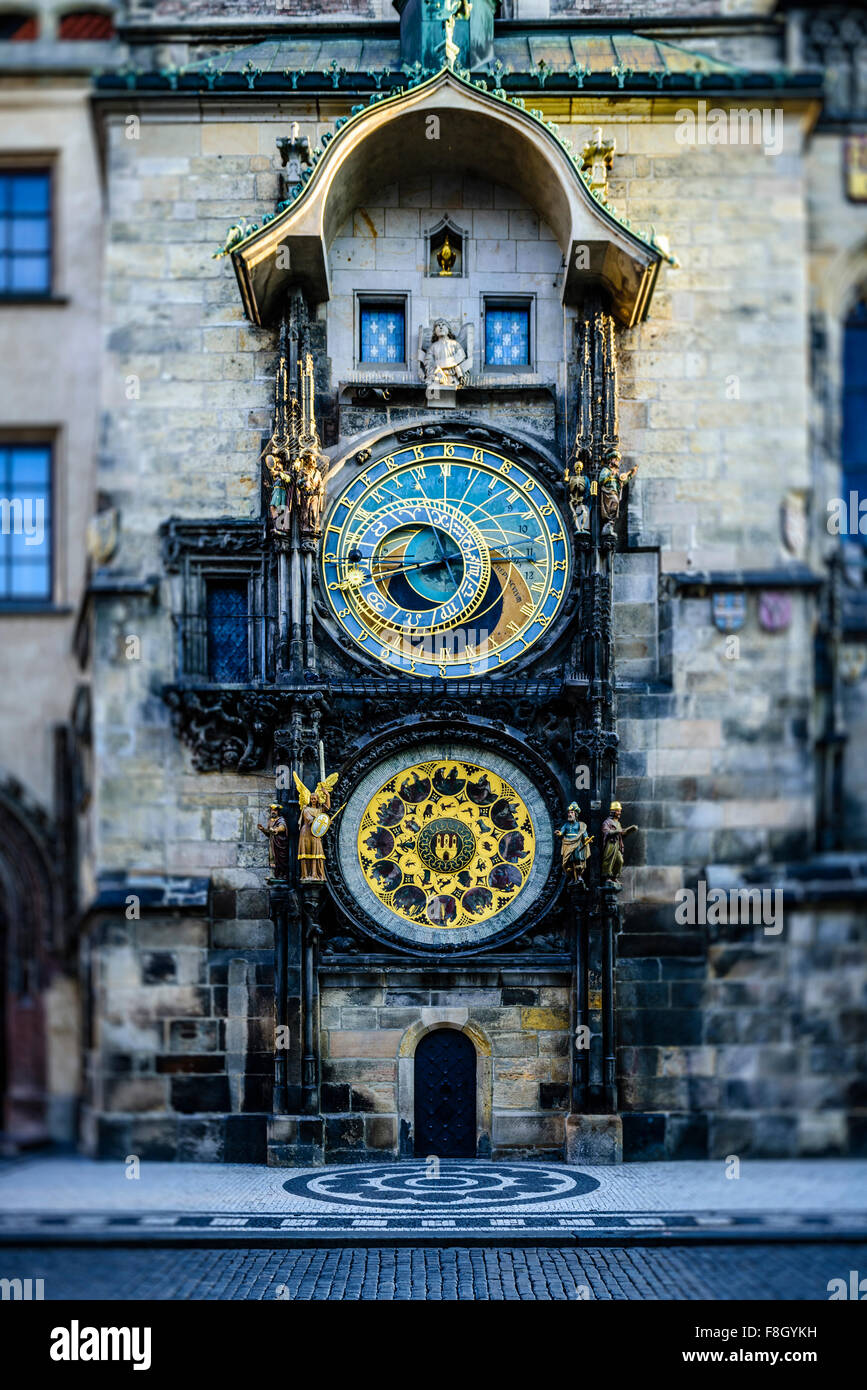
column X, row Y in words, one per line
column 486, row 134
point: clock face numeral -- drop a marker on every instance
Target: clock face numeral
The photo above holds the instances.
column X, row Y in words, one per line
column 441, row 560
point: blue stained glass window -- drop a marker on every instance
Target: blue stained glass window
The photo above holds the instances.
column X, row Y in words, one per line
column 25, row 523
column 854, row 448
column 228, row 620
column 25, row 232
column 383, row 333
column 507, row 335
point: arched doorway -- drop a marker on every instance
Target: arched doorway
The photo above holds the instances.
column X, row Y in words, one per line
column 445, row 1095
column 29, row 919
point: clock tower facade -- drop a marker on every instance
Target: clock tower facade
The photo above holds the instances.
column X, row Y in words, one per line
column 439, row 545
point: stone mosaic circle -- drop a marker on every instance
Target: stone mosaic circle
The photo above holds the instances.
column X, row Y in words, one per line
column 437, row 1184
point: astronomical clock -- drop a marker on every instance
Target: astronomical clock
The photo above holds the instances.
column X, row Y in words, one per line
column 446, row 566
column 445, row 560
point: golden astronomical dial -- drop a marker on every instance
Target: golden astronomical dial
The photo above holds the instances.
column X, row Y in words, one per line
column 446, row 844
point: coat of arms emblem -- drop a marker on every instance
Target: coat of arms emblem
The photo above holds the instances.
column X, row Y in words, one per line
column 729, row 611
column 775, row 611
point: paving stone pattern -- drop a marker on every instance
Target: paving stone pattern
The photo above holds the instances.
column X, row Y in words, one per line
column 759, row 1272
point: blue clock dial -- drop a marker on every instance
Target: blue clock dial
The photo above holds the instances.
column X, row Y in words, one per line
column 444, row 560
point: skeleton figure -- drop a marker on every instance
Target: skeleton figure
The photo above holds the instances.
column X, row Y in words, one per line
column 579, row 497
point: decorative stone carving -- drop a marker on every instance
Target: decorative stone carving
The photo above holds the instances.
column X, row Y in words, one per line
column 224, row 728
column 597, row 158
column 445, row 355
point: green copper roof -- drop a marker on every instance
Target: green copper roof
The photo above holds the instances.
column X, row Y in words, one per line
column 517, row 53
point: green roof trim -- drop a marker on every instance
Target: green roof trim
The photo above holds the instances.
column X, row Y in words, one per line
column 559, row 61
column 244, row 234
column 514, row 54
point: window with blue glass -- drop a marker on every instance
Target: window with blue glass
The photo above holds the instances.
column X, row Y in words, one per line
column 25, row 232
column 227, row 607
column 854, row 443
column 507, row 334
column 383, row 332
column 25, row 523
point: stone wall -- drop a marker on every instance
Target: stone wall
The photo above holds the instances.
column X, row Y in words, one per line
column 519, row 1024
column 508, row 251
column 180, row 1061
column 745, row 1044
column 715, row 744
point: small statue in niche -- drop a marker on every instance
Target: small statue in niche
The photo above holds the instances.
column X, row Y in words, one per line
column 613, row 835
column 446, row 257
column 597, row 157
column 578, row 488
column 312, row 825
column 611, row 485
column 442, row 356
column 277, row 832
column 575, row 846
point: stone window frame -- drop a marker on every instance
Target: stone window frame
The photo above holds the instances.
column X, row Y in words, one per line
column 524, row 301
column 363, row 298
column 44, row 163
column 197, row 551
column 199, row 573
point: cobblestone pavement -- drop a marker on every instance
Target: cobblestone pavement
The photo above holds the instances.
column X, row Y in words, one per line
column 50, row 1198
column 761, row 1272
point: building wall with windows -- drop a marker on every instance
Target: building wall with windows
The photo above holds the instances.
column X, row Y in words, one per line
column 50, row 305
column 731, row 759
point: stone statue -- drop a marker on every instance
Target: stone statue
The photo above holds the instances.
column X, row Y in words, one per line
column 282, row 489
column 613, row 835
column 611, row 485
column 310, row 492
column 278, row 842
column 293, row 457
column 575, row 846
column 579, row 497
column 312, row 825
column 442, row 358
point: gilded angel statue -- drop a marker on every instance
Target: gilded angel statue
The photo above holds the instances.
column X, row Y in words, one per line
column 312, row 825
